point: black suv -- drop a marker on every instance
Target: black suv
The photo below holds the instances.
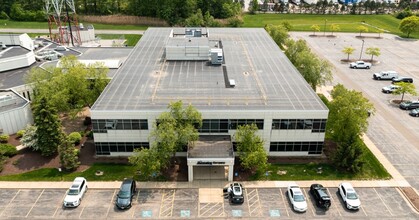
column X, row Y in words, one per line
column 402, row 79
column 320, row 195
column 125, row 194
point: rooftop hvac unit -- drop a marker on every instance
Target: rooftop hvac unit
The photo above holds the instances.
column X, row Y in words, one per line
column 216, row 56
column 3, row 45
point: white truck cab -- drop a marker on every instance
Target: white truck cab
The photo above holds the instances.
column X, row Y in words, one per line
column 385, row 75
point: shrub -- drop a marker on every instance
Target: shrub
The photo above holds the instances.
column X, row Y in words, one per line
column 74, row 138
column 7, row 150
column 235, row 21
column 20, row 133
column 4, row 138
column 90, row 135
column 4, row 16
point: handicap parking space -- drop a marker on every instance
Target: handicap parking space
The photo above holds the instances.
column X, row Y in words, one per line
column 147, row 203
column 272, row 202
column 185, row 203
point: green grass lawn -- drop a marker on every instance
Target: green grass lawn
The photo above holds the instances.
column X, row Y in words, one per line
column 112, row 172
column 44, row 25
column 132, row 39
column 347, row 23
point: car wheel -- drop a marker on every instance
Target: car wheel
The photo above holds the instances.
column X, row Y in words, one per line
column 368, row 67
column 378, row 78
column 355, row 67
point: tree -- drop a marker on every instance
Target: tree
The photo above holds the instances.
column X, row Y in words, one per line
column 409, row 25
column 147, row 161
column 254, row 6
column 69, row 158
column 294, row 48
column 348, row 51
column 334, row 28
column 314, row 70
column 195, row 20
column 250, row 147
column 350, row 155
column 373, row 51
column 174, row 130
column 70, row 87
column 405, row 87
column 348, row 114
column 29, row 138
column 362, row 29
column 48, row 132
column 315, row 28
column 278, row 33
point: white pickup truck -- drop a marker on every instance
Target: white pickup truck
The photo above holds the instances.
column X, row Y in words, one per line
column 360, row 65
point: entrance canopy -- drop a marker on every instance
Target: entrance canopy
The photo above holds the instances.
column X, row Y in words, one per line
column 210, row 151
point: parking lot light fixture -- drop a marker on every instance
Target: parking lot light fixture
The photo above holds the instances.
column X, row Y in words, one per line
column 362, row 47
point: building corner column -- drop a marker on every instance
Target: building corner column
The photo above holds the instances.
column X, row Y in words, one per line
column 190, row 173
column 230, row 173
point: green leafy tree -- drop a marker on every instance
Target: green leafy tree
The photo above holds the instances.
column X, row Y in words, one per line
column 373, row 51
column 348, row 114
column 315, row 28
column 175, row 129
column 409, row 25
column 29, row 138
column 294, row 48
column 362, row 29
column 48, row 132
column 70, row 87
column 404, row 88
column 278, row 33
column 349, row 51
column 334, row 28
column 350, row 155
column 250, row 147
column 69, row 155
column 146, row 161
column 195, row 20
column 287, row 25
column 254, row 7
column 314, row 70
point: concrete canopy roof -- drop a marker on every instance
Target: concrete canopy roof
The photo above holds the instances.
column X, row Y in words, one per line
column 265, row 79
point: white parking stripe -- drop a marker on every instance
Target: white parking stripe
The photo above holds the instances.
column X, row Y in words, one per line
column 111, row 203
column 10, row 202
column 35, row 202
column 60, row 205
column 283, row 200
column 385, row 204
column 307, row 199
column 334, row 202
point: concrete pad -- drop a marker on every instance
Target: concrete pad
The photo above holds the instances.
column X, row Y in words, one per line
column 211, row 195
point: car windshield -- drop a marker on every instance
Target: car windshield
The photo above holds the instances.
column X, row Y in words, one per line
column 73, row 192
column 123, row 194
column 299, row 198
column 352, row 195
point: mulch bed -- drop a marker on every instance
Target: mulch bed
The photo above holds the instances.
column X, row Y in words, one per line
column 413, row 197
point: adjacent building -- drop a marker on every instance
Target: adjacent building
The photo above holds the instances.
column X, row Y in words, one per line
column 15, row 112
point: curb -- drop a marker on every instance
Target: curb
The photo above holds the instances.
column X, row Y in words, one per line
column 408, row 199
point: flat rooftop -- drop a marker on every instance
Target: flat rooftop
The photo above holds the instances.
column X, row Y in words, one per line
column 217, row 146
column 265, row 79
column 10, row 100
column 12, row 51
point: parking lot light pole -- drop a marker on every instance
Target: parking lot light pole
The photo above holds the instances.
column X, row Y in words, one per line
column 324, row 31
column 362, row 47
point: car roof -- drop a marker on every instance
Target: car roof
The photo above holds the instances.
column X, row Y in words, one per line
column 79, row 180
column 347, row 186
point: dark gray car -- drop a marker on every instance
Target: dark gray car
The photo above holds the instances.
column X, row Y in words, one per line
column 125, row 194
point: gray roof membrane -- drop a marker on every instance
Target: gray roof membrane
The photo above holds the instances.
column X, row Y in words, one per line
column 264, row 77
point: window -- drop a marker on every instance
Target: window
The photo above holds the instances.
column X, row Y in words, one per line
column 310, row 147
column 315, row 125
column 214, row 126
column 234, row 123
column 104, row 148
column 102, row 126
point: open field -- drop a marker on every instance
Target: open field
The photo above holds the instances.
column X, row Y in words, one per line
column 347, row 23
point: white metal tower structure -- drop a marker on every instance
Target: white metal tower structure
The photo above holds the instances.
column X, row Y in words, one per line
column 62, row 22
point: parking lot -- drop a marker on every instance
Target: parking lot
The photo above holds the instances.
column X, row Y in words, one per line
column 186, row 203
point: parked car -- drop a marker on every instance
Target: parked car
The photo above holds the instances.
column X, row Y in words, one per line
column 414, row 112
column 408, row 105
column 349, row 196
column 125, row 194
column 390, row 88
column 385, row 75
column 320, row 195
column 296, row 197
column 402, row 79
column 75, row 192
column 360, row 65
column 235, row 193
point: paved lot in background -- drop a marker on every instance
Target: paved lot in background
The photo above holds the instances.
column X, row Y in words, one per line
column 184, row 203
column 392, row 130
